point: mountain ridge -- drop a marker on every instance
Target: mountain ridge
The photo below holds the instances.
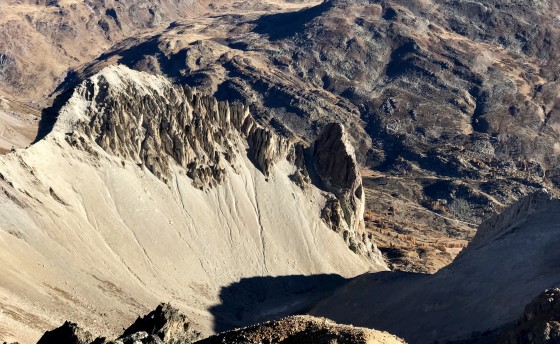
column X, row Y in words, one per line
column 91, row 230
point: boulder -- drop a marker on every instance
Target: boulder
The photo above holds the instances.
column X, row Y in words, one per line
column 165, row 323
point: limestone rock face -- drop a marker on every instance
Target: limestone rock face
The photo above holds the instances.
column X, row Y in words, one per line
column 335, row 161
column 335, row 166
column 154, row 125
column 176, row 195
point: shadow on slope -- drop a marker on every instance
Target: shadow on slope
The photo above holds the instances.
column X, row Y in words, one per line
column 258, row 299
column 49, row 115
column 284, row 25
column 513, row 257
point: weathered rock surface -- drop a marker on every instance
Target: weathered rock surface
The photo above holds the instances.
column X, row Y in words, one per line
column 337, row 170
column 540, row 323
column 175, row 124
column 456, row 116
column 452, row 104
column 164, row 325
column 167, row 323
column 303, row 329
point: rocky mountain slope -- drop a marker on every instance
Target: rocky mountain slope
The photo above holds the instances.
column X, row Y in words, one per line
column 519, row 244
column 215, row 160
column 450, row 103
column 511, row 260
column 42, row 41
column 145, row 191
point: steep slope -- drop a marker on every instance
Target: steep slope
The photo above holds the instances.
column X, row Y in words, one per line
column 452, row 104
column 513, row 258
column 145, row 191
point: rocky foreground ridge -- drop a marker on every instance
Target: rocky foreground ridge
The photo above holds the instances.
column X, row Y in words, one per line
column 163, row 325
column 143, row 190
column 166, row 325
column 539, row 324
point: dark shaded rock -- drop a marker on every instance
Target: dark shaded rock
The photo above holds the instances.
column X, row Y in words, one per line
column 69, row 333
column 164, row 323
column 336, row 167
column 540, row 323
column 335, row 161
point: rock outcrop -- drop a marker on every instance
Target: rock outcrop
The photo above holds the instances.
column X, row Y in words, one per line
column 453, row 104
column 164, row 325
column 540, row 323
column 167, row 323
column 69, row 333
column 160, row 124
column 155, row 125
column 335, row 166
column 303, row 329
column 335, row 163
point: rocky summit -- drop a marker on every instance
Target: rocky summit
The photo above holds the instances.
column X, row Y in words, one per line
column 166, row 325
column 281, row 171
